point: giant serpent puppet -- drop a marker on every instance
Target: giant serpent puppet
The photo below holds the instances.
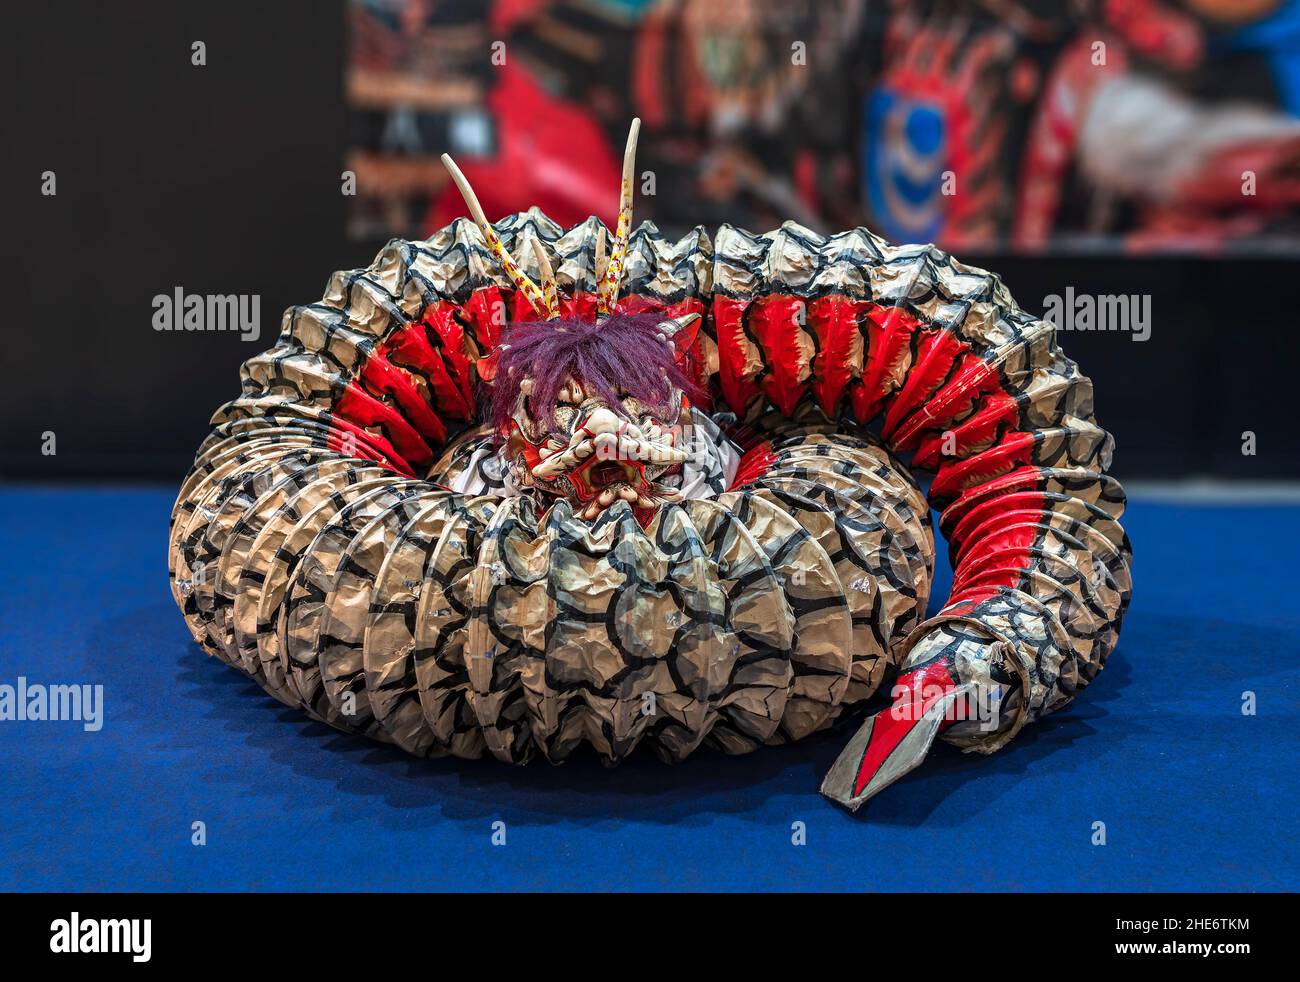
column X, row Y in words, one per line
column 518, row 487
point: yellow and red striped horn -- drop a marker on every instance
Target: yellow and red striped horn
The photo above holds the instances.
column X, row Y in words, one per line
column 607, row 290
column 543, row 298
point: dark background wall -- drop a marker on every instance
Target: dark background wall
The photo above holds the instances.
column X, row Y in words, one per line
column 226, row 179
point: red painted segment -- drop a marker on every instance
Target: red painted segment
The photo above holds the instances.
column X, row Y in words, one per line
column 358, row 406
column 834, row 322
column 996, row 513
column 409, row 350
column 921, row 689
column 391, row 386
column 738, row 357
column 776, row 323
column 754, row 464
column 1024, row 478
column 888, row 358
column 352, row 441
column 446, row 336
column 978, row 431
column 1014, row 451
column 487, row 312
column 936, row 353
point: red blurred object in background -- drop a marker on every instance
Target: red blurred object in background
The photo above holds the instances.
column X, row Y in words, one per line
column 550, row 153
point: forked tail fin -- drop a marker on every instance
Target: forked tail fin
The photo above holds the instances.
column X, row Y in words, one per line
column 892, row 743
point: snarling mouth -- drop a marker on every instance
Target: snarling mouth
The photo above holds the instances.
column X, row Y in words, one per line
column 589, row 479
column 601, row 469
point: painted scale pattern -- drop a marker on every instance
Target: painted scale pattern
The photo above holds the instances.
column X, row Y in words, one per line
column 315, row 546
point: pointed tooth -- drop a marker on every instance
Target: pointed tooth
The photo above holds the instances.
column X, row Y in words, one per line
column 607, row 445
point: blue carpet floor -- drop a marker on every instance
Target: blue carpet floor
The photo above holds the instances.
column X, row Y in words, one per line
column 1194, row 794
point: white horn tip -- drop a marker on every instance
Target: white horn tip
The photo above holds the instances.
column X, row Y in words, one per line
column 672, row 325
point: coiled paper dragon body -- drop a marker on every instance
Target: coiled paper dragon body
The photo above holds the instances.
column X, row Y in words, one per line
column 597, row 556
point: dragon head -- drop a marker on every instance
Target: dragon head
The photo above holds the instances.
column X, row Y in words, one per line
column 590, row 412
column 594, row 412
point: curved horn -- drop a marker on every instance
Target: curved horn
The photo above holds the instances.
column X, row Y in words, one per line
column 672, row 325
column 607, row 292
column 530, row 289
column 550, row 291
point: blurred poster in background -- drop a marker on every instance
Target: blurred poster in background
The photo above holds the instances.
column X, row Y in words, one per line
column 1122, row 126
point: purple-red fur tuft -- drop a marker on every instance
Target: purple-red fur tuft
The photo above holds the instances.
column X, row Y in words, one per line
column 622, row 352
